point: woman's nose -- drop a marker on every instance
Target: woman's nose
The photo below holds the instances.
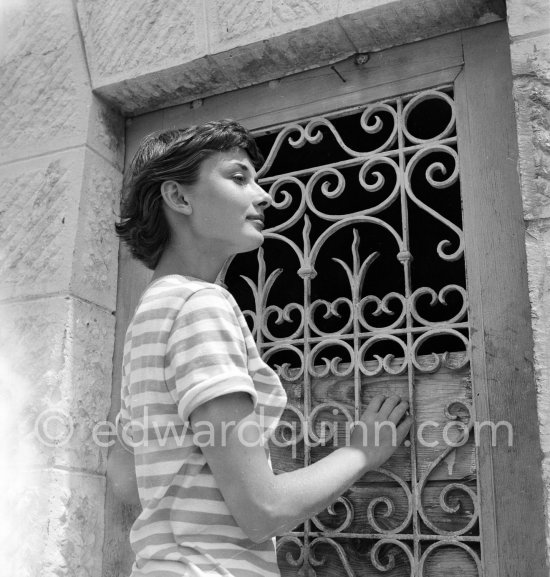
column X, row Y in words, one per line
column 264, row 197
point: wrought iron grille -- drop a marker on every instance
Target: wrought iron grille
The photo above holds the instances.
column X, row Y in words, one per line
column 360, row 289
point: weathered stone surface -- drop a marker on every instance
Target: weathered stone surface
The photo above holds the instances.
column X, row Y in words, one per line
column 95, row 260
column 133, row 37
column 306, row 12
column 39, row 201
column 531, row 69
column 55, row 521
column 373, row 25
column 44, row 86
column 250, row 42
column 88, row 353
column 56, row 356
column 106, row 131
column 171, row 86
column 282, row 55
column 531, row 57
column 57, row 217
column 232, row 23
column 527, row 16
column 538, row 263
column 546, row 477
column 75, row 525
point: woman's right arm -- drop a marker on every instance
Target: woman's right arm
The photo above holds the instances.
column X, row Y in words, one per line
column 265, row 504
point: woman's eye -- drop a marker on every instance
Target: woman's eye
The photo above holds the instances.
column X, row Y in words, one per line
column 239, row 178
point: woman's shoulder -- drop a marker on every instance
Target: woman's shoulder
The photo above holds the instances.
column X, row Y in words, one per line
column 167, row 297
column 174, row 283
column 173, row 291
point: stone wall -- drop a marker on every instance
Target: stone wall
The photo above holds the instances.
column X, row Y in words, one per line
column 529, row 27
column 61, row 159
column 146, row 55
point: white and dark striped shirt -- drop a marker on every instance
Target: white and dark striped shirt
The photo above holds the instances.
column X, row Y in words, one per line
column 188, row 343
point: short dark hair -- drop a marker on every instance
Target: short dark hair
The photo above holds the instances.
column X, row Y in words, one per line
column 170, row 155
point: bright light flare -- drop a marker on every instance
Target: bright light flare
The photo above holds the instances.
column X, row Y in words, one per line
column 23, row 499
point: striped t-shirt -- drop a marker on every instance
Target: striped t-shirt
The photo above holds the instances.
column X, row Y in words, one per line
column 188, row 343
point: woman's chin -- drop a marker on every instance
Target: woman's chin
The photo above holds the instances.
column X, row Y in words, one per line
column 253, row 243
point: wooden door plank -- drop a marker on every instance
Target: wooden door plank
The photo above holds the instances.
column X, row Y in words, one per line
column 133, row 277
column 265, row 122
column 138, row 128
column 513, row 527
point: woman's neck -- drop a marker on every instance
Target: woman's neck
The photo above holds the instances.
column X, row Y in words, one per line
column 194, row 265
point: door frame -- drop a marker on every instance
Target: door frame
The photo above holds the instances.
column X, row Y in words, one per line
column 512, row 524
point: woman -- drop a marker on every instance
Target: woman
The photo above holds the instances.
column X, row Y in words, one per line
column 197, row 400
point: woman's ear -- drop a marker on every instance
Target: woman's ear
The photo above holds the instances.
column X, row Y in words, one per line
column 175, row 196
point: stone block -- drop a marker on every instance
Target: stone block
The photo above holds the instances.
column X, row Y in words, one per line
column 292, row 14
column 75, row 525
column 95, row 257
column 44, row 85
column 56, row 358
column 527, row 16
column 374, row 25
column 234, row 23
column 546, row 481
column 538, row 266
column 88, row 370
column 57, row 217
column 56, row 524
column 129, row 38
column 39, row 202
column 537, row 241
column 531, row 57
column 531, row 69
column 534, row 150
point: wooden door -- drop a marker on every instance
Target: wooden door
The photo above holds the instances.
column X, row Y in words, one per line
column 393, row 262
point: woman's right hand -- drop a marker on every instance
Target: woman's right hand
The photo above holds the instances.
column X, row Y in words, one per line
column 381, row 429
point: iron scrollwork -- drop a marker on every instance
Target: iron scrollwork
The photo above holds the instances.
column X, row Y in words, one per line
column 359, row 214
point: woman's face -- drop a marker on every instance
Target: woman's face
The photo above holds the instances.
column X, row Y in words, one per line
column 227, row 204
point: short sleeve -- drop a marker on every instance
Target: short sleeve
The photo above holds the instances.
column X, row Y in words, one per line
column 206, row 354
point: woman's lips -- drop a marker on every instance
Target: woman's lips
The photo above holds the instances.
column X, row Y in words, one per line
column 257, row 221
